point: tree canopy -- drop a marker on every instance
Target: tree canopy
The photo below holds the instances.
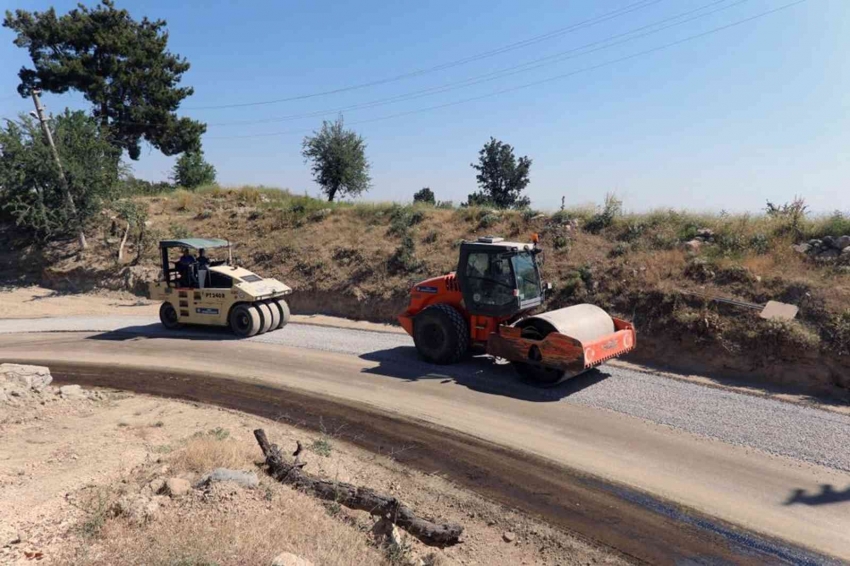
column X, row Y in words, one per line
column 32, row 190
column 120, row 65
column 191, row 170
column 425, row 195
column 339, row 160
column 501, row 176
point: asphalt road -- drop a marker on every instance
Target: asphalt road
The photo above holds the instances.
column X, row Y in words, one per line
column 777, row 468
column 775, row 427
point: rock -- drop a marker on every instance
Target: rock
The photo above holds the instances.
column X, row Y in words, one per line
column 26, row 376
column 137, row 508
column 72, row 392
column 830, row 253
column 846, row 252
column 802, row 248
column 289, row 559
column 693, row 246
column 829, row 242
column 177, row 487
column 842, row 243
column 245, row 479
column 705, row 233
column 509, row 536
column 157, row 485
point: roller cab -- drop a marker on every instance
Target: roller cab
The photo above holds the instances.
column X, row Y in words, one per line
column 212, row 290
column 487, row 302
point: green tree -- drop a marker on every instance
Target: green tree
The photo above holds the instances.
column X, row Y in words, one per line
column 425, row 195
column 33, row 194
column 501, row 176
column 192, row 171
column 119, row 64
column 339, row 160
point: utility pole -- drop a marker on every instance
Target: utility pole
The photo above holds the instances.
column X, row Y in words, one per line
column 69, row 200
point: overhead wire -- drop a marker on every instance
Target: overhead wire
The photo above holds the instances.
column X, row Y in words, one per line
column 540, row 82
column 463, row 61
column 494, row 75
column 507, row 71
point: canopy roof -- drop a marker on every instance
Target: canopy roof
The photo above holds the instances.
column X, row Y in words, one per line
column 195, row 243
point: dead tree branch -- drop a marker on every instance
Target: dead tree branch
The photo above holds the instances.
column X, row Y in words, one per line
column 291, row 473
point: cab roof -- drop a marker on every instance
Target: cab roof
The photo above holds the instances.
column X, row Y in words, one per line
column 195, row 243
column 492, row 242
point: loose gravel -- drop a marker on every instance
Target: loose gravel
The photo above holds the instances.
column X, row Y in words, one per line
column 776, row 427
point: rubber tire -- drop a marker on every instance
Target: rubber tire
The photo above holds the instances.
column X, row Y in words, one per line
column 249, row 325
column 283, row 308
column 441, row 334
column 275, row 314
column 168, row 316
column 265, row 316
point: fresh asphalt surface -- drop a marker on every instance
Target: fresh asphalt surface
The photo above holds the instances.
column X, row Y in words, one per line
column 776, row 427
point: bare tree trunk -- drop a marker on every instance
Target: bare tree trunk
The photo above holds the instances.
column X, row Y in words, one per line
column 353, row 497
column 123, row 243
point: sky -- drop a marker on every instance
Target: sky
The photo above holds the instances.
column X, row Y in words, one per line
column 687, row 104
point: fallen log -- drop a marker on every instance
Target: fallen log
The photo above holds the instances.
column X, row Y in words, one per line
column 290, row 472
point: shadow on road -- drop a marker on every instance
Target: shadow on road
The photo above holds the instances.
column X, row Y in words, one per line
column 156, row 330
column 827, row 495
column 479, row 373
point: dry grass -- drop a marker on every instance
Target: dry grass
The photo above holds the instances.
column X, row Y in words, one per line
column 254, row 534
column 203, row 453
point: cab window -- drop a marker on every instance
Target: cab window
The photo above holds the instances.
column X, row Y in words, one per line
column 490, row 279
column 528, row 279
column 220, row 281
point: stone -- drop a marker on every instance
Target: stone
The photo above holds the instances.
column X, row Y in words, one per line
column 509, row 536
column 72, row 392
column 177, row 487
column 26, row 376
column 705, row 233
column 289, row 559
column 846, row 252
column 245, row 479
column 830, row 253
column 842, row 243
column 693, row 246
column 157, row 485
column 802, row 248
column 829, row 242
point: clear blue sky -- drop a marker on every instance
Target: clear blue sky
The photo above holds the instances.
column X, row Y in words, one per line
column 753, row 112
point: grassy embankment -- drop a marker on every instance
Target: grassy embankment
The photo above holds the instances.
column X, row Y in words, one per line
column 358, row 260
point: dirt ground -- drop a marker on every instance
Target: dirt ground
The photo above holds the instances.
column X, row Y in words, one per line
column 81, row 476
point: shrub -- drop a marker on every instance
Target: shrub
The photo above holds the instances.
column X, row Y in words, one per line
column 488, row 220
column 632, row 231
column 790, row 216
column 425, row 196
column 403, row 218
column 604, row 218
column 759, row 243
column 445, row 204
column 529, row 213
column 836, row 224
column 180, row 231
column 404, row 259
